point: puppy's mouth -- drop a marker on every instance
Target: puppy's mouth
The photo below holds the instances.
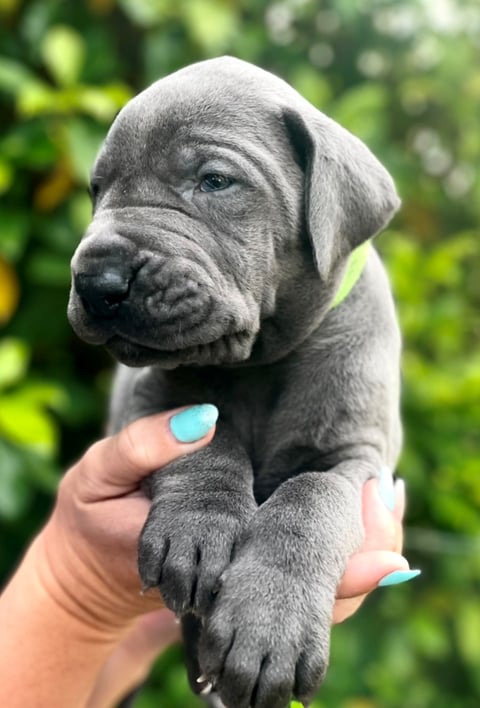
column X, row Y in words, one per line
column 228, row 349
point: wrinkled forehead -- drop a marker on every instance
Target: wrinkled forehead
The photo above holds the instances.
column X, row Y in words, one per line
column 201, row 105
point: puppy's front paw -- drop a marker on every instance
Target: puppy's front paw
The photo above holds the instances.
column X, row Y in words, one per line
column 187, row 543
column 266, row 638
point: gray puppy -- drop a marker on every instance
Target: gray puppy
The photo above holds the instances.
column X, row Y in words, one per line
column 226, row 208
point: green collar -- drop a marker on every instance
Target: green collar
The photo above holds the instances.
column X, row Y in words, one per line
column 355, row 266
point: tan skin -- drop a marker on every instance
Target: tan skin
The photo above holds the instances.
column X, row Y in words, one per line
column 73, row 616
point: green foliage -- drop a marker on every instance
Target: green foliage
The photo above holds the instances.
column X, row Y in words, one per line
column 405, row 77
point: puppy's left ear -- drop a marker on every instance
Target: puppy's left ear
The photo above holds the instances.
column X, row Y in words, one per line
column 349, row 195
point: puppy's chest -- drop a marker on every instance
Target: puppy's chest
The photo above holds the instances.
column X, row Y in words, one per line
column 249, row 401
column 250, row 416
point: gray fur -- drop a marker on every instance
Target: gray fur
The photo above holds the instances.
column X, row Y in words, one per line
column 228, row 302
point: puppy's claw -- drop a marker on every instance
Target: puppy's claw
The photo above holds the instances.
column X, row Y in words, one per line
column 206, row 689
column 202, row 679
column 146, row 588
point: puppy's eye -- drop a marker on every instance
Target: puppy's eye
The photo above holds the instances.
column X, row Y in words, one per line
column 214, row 183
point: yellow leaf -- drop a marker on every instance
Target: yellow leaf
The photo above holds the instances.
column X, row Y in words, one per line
column 101, row 7
column 9, row 291
column 52, row 191
column 6, row 176
column 8, row 7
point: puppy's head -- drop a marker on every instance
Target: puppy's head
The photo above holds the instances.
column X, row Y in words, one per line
column 225, row 207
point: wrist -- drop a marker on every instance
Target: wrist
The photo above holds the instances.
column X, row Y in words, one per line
column 44, row 629
column 78, row 588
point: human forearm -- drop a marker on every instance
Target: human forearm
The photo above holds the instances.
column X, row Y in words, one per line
column 53, row 655
column 76, row 595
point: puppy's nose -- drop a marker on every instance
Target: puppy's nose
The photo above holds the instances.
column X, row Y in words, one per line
column 102, row 293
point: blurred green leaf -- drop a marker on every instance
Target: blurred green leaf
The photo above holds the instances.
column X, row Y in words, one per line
column 84, row 140
column 27, row 425
column 146, row 12
column 468, row 631
column 14, row 357
column 63, row 51
column 6, row 176
column 101, row 103
column 35, row 98
column 80, row 213
column 47, row 268
column 211, row 23
column 355, row 108
column 14, row 75
column 311, row 84
column 28, row 145
column 13, row 233
column 42, row 394
column 15, row 490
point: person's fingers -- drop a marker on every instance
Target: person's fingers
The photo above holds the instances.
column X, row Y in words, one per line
column 382, row 526
column 379, row 557
column 346, row 608
column 116, row 465
column 365, row 570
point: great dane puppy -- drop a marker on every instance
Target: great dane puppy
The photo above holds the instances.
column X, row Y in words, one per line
column 226, row 209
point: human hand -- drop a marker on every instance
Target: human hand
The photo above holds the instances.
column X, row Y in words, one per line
column 379, row 560
column 89, row 546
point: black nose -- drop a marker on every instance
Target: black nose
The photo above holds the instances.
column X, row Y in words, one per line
column 102, row 293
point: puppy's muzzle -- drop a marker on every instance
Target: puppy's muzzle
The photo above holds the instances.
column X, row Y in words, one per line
column 167, row 305
column 103, row 292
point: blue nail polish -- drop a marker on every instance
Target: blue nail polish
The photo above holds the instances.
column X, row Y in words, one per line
column 397, row 577
column 386, row 488
column 193, row 423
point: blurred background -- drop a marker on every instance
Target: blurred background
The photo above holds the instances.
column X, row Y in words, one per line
column 403, row 75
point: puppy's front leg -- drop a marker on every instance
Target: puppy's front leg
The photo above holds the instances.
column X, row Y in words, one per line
column 201, row 505
column 267, row 636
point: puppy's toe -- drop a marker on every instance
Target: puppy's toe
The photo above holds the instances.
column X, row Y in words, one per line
column 275, row 682
column 310, row 671
column 178, row 578
column 152, row 554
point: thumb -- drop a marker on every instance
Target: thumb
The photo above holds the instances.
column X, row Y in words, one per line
column 116, row 465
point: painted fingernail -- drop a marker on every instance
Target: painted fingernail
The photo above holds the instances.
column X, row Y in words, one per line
column 193, row 423
column 397, row 577
column 386, row 487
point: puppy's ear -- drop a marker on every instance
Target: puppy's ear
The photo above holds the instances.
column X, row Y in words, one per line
column 349, row 195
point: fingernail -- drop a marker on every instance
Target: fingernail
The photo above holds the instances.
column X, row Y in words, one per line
column 193, row 423
column 397, row 577
column 386, row 487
